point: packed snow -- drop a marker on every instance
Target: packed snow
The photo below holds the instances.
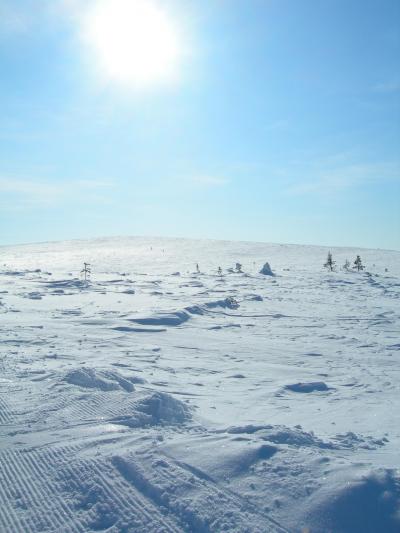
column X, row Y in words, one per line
column 166, row 395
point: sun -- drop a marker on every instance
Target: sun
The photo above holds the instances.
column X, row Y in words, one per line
column 134, row 42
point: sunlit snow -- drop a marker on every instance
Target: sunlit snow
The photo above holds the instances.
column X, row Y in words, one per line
column 155, row 398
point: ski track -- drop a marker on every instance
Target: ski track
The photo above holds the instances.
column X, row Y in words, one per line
column 168, row 482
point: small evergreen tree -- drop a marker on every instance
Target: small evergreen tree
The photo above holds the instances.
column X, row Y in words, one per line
column 346, row 265
column 330, row 263
column 358, row 264
column 86, row 271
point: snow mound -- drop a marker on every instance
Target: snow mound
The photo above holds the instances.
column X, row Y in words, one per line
column 164, row 408
column 307, row 387
column 226, row 303
column 104, row 380
column 283, row 435
column 233, row 464
column 175, row 318
column 351, row 440
column 266, row 270
column 365, row 505
column 297, row 437
column 229, row 303
column 158, row 408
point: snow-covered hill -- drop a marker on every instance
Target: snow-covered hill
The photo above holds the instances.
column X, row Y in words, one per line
column 158, row 399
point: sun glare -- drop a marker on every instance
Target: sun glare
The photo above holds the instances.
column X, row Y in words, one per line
column 134, row 42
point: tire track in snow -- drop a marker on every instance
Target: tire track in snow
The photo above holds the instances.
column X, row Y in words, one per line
column 91, row 407
column 29, row 475
column 9, row 520
column 99, row 481
column 130, row 501
column 5, row 412
column 20, row 498
column 50, row 490
column 146, row 506
column 100, row 406
column 34, row 491
column 61, row 512
column 84, row 477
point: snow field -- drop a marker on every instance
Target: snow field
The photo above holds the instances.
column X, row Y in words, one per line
column 155, row 398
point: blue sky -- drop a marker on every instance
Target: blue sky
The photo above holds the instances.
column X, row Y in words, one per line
column 282, row 125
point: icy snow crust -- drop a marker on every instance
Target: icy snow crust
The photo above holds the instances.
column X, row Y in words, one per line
column 156, row 399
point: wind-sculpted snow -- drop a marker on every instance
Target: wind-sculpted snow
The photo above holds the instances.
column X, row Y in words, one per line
column 163, row 319
column 128, row 329
column 308, row 387
column 298, row 437
column 35, row 295
column 154, row 398
column 229, row 303
column 66, row 284
column 177, row 318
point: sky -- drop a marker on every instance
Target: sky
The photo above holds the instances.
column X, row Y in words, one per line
column 258, row 120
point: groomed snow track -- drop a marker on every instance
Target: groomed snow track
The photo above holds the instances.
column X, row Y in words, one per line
column 137, row 494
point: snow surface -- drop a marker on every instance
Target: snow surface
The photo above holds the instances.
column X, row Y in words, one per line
column 158, row 399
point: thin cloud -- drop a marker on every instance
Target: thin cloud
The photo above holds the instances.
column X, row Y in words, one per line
column 328, row 181
column 21, row 17
column 35, row 193
column 12, row 19
column 387, row 87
